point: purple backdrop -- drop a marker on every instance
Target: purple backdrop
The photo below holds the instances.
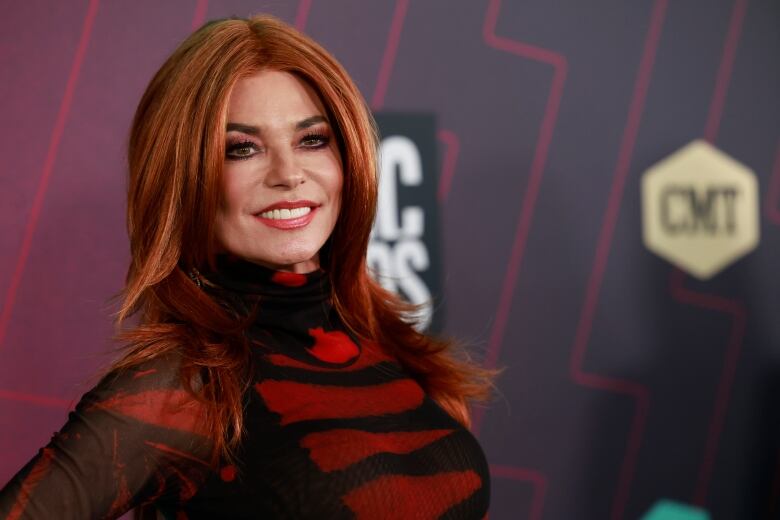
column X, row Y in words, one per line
column 626, row 381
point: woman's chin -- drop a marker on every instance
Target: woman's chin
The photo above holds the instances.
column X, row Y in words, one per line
column 300, row 263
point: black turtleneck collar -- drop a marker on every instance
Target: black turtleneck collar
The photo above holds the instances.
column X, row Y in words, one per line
column 253, row 282
column 291, row 313
column 278, row 297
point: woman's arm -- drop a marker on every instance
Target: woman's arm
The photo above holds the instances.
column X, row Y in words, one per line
column 134, row 438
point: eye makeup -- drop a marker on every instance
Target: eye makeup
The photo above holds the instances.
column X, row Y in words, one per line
column 315, row 139
column 240, row 148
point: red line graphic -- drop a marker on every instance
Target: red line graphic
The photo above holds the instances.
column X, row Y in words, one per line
column 734, row 309
column 199, row 16
column 48, row 166
column 38, row 400
column 302, row 14
column 538, row 482
column 388, row 59
column 738, row 315
column 559, row 64
column 631, row 389
column 451, row 141
column 772, row 202
column 725, row 70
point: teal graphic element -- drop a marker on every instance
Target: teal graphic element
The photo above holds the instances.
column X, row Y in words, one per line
column 670, row 510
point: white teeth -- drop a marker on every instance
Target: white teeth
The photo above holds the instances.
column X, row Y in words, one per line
column 285, row 214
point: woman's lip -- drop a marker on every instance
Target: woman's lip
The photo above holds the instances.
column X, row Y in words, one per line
column 289, row 204
column 288, row 223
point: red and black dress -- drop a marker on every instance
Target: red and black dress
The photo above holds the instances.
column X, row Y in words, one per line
column 335, row 428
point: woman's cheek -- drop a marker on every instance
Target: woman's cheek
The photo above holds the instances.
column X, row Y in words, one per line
column 234, row 190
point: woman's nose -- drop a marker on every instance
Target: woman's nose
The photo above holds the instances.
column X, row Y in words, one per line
column 285, row 172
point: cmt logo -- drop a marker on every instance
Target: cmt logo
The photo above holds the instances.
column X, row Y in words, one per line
column 685, row 210
column 700, row 209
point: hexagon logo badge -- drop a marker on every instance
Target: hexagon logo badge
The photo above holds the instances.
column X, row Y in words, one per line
column 700, row 209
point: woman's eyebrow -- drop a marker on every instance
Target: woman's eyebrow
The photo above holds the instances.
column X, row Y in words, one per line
column 310, row 121
column 255, row 130
column 245, row 129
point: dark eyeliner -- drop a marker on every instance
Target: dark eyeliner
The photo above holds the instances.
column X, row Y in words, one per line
column 320, row 136
column 237, row 146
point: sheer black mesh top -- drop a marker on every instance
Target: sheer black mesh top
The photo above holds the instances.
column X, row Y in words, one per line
column 335, row 428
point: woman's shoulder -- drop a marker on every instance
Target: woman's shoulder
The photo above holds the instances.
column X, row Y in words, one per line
column 153, row 391
column 131, row 373
column 136, row 436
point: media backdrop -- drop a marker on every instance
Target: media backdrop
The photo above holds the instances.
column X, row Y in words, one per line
column 626, row 381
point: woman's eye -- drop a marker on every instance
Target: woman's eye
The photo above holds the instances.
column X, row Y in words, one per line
column 241, row 150
column 314, row 141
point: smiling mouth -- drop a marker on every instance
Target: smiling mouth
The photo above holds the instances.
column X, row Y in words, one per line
column 285, row 214
column 288, row 215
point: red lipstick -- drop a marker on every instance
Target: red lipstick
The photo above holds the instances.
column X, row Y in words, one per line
column 289, row 204
column 288, row 214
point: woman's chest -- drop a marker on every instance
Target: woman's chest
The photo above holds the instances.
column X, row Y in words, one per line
column 359, row 443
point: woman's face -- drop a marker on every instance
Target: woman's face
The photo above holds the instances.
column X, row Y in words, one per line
column 282, row 174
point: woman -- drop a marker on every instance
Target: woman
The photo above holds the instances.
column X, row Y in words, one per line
column 269, row 376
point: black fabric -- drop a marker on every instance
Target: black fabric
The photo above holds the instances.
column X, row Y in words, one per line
column 335, row 428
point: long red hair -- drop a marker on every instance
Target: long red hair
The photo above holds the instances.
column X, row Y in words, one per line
column 176, row 154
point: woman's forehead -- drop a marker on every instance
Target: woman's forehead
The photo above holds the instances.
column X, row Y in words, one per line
column 273, row 98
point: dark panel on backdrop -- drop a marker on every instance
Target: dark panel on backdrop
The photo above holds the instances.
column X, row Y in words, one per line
column 404, row 251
